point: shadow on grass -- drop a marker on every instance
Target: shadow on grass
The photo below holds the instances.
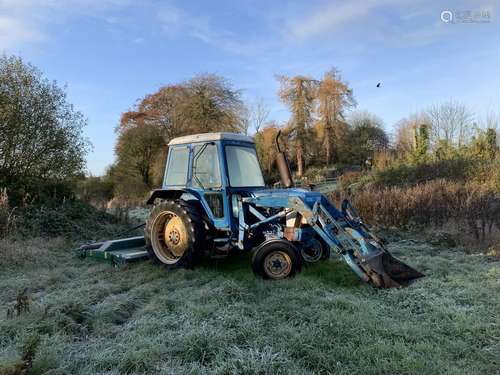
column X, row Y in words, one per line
column 238, row 266
column 332, row 272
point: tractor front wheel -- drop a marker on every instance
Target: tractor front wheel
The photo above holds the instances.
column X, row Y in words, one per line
column 276, row 259
column 174, row 234
column 314, row 251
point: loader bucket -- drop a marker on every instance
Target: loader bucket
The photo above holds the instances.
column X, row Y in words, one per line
column 374, row 264
column 386, row 271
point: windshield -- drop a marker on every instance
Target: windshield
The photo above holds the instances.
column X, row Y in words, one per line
column 243, row 167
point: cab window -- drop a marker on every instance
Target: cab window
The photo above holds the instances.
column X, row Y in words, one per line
column 177, row 166
column 206, row 167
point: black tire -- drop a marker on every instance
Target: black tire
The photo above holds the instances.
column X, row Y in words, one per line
column 190, row 228
column 280, row 251
column 326, row 250
column 324, row 254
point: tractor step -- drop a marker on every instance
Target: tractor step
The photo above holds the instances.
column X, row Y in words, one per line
column 117, row 252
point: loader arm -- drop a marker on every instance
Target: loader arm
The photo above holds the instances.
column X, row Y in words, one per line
column 351, row 239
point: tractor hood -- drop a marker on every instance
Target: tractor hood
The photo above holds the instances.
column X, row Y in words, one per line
column 286, row 198
column 306, row 195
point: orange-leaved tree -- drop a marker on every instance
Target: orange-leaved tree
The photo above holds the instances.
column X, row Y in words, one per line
column 334, row 98
column 299, row 93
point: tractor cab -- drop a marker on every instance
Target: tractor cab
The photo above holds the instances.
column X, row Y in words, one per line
column 213, row 168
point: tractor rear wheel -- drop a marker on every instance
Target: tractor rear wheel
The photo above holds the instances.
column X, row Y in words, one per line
column 174, row 234
column 276, row 259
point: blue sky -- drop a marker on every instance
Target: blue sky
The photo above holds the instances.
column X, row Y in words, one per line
column 109, row 53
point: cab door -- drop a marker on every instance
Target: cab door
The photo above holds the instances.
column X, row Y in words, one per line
column 207, row 180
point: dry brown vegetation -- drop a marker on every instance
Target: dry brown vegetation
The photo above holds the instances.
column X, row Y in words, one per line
column 4, row 211
column 472, row 208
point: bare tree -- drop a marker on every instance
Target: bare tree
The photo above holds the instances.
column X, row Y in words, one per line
column 259, row 113
column 491, row 120
column 452, row 122
column 245, row 120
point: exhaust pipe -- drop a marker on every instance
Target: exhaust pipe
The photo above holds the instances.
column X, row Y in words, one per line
column 283, row 165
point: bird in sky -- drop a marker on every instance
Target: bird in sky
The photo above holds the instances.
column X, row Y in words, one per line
column 378, row 84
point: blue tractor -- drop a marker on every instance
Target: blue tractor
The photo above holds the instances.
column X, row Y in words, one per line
column 214, row 201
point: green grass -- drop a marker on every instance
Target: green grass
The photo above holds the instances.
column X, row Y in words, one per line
column 88, row 317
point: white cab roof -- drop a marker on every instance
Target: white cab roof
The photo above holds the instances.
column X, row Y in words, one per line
column 208, row 137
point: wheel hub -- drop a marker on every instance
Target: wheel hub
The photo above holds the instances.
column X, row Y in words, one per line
column 278, row 265
column 175, row 236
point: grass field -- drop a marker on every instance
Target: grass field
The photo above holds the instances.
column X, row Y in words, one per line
column 87, row 317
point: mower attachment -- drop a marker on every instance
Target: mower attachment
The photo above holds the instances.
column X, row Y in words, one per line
column 118, row 252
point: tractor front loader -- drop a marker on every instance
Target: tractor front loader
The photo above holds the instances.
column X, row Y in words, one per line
column 214, row 201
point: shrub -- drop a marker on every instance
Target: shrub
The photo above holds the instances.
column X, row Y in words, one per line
column 97, row 191
column 349, row 178
column 71, row 219
column 314, row 174
column 431, row 204
column 455, row 169
column 384, row 159
column 487, row 174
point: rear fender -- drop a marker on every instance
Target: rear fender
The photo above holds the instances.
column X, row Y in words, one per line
column 164, row 194
column 173, row 194
column 185, row 194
